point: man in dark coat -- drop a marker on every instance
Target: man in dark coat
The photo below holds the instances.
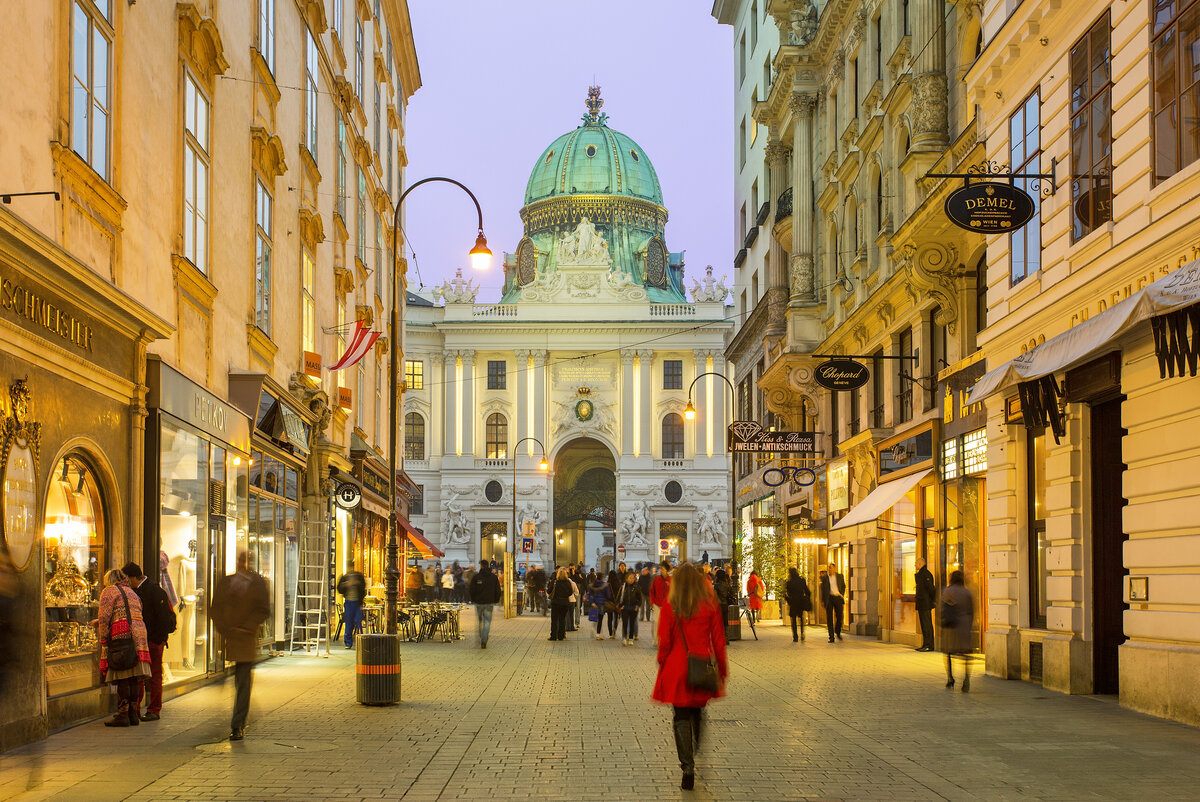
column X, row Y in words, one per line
column 485, row 594
column 353, row 587
column 799, row 601
column 926, row 591
column 833, row 599
column 239, row 605
column 644, row 581
column 160, row 623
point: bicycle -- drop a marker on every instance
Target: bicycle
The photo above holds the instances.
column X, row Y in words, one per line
column 744, row 610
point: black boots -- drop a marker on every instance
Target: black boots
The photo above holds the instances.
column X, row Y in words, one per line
column 685, row 745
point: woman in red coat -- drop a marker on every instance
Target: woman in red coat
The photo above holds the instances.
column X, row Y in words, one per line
column 690, row 616
column 756, row 591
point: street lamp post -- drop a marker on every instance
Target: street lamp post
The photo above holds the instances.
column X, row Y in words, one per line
column 480, row 259
column 689, row 413
column 510, row 554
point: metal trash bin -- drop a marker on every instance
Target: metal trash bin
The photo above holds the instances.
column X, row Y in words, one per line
column 733, row 623
column 378, row 665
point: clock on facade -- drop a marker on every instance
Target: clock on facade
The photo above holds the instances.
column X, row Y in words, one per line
column 584, row 410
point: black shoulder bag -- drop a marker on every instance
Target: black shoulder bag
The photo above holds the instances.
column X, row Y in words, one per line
column 701, row 671
column 122, row 652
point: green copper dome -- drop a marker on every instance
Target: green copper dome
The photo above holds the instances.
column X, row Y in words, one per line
column 593, row 159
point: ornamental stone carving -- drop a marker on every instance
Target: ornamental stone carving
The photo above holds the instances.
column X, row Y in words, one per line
column 802, row 104
column 931, row 273
column 929, row 107
column 711, row 291
column 804, row 22
column 801, row 275
column 777, row 153
column 584, row 246
column 458, row 291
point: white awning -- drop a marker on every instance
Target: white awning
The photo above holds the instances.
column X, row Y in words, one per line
column 1170, row 293
column 881, row 499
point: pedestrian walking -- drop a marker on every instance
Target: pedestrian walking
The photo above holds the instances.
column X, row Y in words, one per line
column 562, row 599
column 645, row 579
column 412, row 585
column 723, row 588
column 629, row 599
column 833, row 599
column 485, row 594
column 428, row 583
column 447, row 586
column 958, row 617
column 598, row 601
column 756, row 592
column 124, row 647
column 353, row 587
column 658, row 593
column 691, row 661
column 925, row 602
column 240, row 604
column 160, row 622
column 573, row 612
column 799, row 601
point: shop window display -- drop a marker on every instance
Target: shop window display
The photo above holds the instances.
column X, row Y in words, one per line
column 903, row 527
column 184, row 548
column 273, row 536
column 75, row 538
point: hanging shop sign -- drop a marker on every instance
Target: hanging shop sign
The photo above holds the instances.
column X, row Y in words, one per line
column 348, row 495
column 842, row 374
column 838, row 476
column 959, row 416
column 312, row 364
column 750, row 437
column 990, row 207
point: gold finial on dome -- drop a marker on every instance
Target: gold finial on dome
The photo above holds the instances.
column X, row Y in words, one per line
column 594, row 103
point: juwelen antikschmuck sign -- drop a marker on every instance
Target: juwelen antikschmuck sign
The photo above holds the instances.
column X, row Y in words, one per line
column 842, row 374
column 990, row 207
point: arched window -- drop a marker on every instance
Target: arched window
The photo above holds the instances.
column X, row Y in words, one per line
column 672, row 437
column 497, row 436
column 414, row 436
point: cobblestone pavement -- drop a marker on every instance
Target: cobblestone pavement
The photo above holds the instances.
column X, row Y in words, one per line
column 572, row 720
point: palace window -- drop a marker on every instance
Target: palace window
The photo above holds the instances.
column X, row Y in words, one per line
column 308, row 304
column 339, row 11
column 414, row 374
column 1025, row 152
column 417, row 504
column 496, row 433
column 672, row 374
column 497, row 375
column 1176, row 86
column 311, row 70
column 360, row 64
column 195, row 174
column 266, row 32
column 414, row 436
column 262, row 257
column 1091, row 130
column 91, row 71
column 672, row 436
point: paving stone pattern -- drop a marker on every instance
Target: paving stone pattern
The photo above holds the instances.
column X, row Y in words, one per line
column 530, row 719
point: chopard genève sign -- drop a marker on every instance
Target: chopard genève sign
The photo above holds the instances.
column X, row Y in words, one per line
column 44, row 314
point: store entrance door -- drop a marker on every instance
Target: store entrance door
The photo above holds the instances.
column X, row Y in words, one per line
column 216, row 570
column 1108, row 538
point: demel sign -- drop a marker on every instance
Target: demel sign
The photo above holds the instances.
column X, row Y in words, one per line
column 842, row 374
column 990, row 208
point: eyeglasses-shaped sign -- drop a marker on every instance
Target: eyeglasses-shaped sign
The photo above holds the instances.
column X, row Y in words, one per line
column 774, row 477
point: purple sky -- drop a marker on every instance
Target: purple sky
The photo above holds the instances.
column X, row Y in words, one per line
column 503, row 79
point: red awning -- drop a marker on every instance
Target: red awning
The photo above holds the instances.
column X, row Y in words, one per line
column 419, row 541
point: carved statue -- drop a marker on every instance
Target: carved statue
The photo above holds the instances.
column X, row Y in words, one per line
column 711, row 291
column 804, row 24
column 458, row 291
column 530, row 513
column 710, row 527
column 456, row 529
column 584, row 246
column 635, row 524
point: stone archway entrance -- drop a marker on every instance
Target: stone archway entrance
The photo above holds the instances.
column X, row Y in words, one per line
column 585, row 501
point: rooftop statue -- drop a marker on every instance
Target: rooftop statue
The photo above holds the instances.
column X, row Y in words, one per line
column 584, row 246
column 458, row 291
column 711, row 290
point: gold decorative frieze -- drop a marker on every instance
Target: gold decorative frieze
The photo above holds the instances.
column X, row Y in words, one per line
column 609, row 209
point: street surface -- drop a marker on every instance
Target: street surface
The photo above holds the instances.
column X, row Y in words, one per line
column 530, row 719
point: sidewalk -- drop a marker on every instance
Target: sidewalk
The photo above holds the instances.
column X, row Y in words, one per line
column 530, row 719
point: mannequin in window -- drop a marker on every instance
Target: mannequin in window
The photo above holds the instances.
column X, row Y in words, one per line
column 185, row 580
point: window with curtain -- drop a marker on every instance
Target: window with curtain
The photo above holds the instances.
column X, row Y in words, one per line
column 672, row 436
column 266, row 32
column 1176, row 46
column 196, row 163
column 1025, row 152
column 311, row 70
column 262, row 257
column 91, row 72
column 1091, row 130
column 414, row 436
column 496, row 436
column 308, row 303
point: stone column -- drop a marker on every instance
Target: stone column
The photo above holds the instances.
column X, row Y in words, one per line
column 539, row 397
column 700, row 425
column 777, row 257
column 645, row 407
column 717, row 411
column 802, row 269
column 929, row 81
column 450, row 368
column 521, row 427
column 628, row 413
column 437, row 406
column 467, row 416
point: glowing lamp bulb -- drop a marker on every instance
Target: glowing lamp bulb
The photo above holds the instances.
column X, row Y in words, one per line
column 481, row 257
column 689, row 412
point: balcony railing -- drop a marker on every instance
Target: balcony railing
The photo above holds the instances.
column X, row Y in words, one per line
column 672, row 464
column 491, row 463
column 672, row 310
column 495, row 310
column 783, row 207
column 877, row 417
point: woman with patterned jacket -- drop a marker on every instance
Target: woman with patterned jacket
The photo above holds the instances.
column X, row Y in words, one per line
column 121, row 619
